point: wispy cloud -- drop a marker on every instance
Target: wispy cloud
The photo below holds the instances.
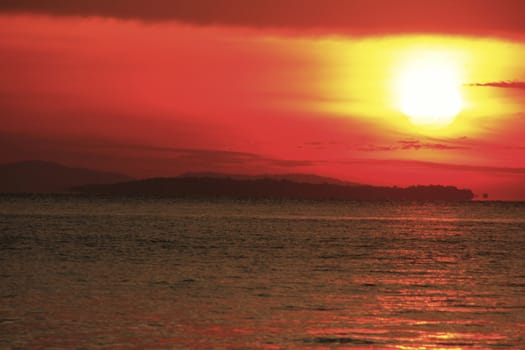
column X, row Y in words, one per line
column 501, row 84
column 400, row 163
column 207, row 156
column 407, row 145
column 35, row 147
column 318, row 145
column 220, row 157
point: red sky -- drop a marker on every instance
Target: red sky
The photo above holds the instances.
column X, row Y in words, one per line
column 159, row 88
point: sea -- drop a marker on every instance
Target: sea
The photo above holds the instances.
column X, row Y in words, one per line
column 80, row 272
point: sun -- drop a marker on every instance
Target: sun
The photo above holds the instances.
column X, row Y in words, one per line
column 428, row 91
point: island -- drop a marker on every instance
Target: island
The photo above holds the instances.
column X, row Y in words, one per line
column 212, row 187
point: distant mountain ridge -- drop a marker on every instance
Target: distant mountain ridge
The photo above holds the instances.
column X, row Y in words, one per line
column 47, row 177
column 206, row 187
column 37, row 176
column 294, row 177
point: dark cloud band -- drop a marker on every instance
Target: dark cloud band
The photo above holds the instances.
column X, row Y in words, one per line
column 369, row 16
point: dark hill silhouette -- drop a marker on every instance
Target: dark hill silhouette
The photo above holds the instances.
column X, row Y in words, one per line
column 203, row 187
column 301, row 178
column 40, row 176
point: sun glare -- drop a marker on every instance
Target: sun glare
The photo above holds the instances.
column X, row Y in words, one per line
column 428, row 91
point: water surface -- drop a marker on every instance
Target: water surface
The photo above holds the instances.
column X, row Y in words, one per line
column 102, row 273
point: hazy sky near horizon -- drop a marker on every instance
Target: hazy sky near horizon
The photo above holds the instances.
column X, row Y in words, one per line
column 157, row 88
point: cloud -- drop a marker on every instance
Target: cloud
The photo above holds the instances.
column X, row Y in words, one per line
column 376, row 16
column 206, row 156
column 376, row 148
column 411, row 164
column 71, row 150
column 416, row 145
column 318, row 145
column 502, row 84
column 220, row 157
column 406, row 145
column 463, row 167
